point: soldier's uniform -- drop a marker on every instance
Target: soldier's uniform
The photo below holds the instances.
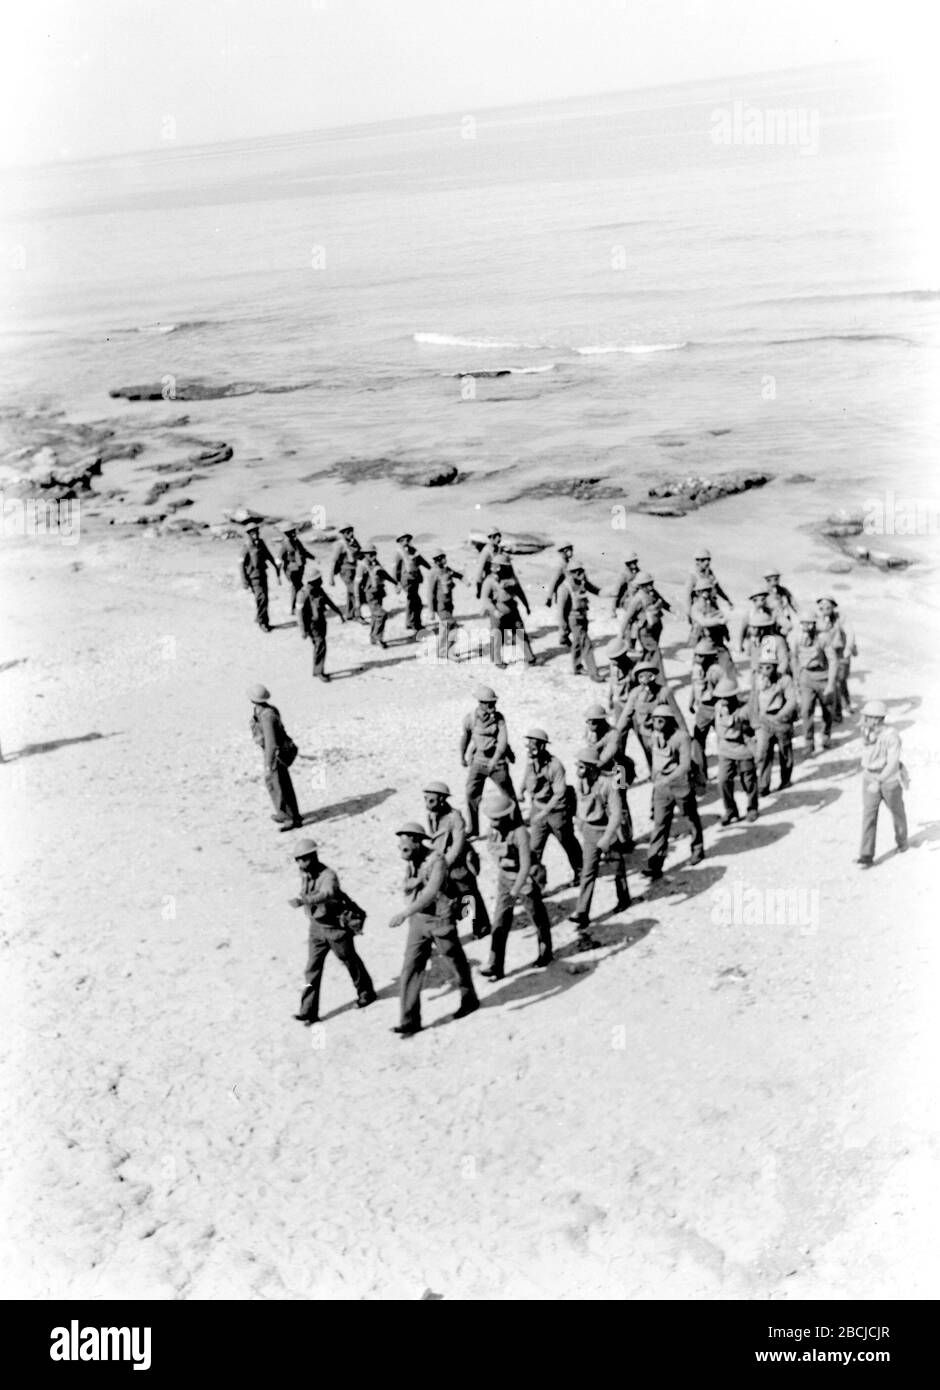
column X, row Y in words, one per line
column 555, row 594
column 712, row 663
column 815, row 668
column 735, row 739
column 575, row 606
column 433, row 927
column 546, row 787
column 373, row 589
column 762, row 642
column 621, row 660
column 600, row 822
column 294, row 556
column 672, row 789
column 509, row 845
column 883, row 780
column 502, row 595
column 702, row 573
column 407, row 574
column 642, row 623
column 832, row 630
column 255, row 561
column 442, row 581
column 609, row 743
column 485, row 751
column 448, row 834
column 490, row 551
column 346, row 561
column 780, row 601
column 773, row 706
column 706, row 618
column 322, row 900
column 313, row 605
column 267, row 730
column 637, row 713
column 626, row 584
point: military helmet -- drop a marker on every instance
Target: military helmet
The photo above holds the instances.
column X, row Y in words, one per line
column 496, row 805
column 703, row 553
column 644, row 577
column 484, row 695
column 594, row 712
column 646, row 666
column 618, row 648
column 874, row 709
column 761, row 620
column 705, row 646
column 664, row 711
column 412, row 828
column 587, row 755
column 537, row 735
column 440, row 788
column 257, row 694
column 304, row 848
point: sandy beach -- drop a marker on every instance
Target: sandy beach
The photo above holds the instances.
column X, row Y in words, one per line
column 702, row 1107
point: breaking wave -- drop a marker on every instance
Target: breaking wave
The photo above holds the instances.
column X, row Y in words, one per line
column 485, row 372
column 452, row 340
column 638, row 348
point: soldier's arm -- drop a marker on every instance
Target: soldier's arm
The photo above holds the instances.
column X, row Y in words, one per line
column 520, row 593
column 832, row 664
column 397, row 569
column 685, row 756
column 721, row 594
column 335, row 563
column 502, row 741
column 458, row 840
column 591, row 588
column 245, row 581
column 664, row 601
column 555, row 585
column 421, row 562
column 269, row 736
column 431, row 593
column 329, row 889
column 430, row 891
column 559, row 790
column 266, row 555
column 483, row 571
column 465, row 737
column 328, row 600
column 792, row 701
column 614, row 817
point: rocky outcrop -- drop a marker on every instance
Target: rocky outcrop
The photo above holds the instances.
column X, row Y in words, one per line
column 676, row 496
column 440, row 476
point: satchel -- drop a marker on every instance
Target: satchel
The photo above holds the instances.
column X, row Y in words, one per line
column 287, row 751
column 350, row 916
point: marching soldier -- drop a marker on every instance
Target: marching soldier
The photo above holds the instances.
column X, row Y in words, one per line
column 621, row 659
column 441, row 583
column 294, row 555
column 705, row 615
column 763, row 639
column 637, row 713
column 502, row 595
column 323, row 900
column 509, row 846
column 269, row 733
column 642, row 622
column 773, row 707
column 626, row 585
column 735, row 738
column 546, row 789
column 407, row 571
column 672, row 788
column 781, row 601
column 555, row 593
column 575, row 604
column 834, row 631
column 493, row 547
column 431, row 914
column 711, row 664
column 373, row 584
column 448, row 834
column 255, row 561
column 815, row 667
column 313, row 603
column 600, row 821
column 485, row 752
column 610, row 745
column 702, row 570
column 346, row 560
column 884, row 778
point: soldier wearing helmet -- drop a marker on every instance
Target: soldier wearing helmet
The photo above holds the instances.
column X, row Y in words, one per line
column 279, row 751
column 510, row 848
column 701, row 571
column 671, row 770
column 325, row 903
column 884, row 778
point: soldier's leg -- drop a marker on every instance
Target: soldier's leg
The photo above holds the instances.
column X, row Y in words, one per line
column 726, row 770
column 690, row 811
column 413, row 601
column 645, row 744
column 260, row 592
column 894, row 800
column 663, row 809
column 825, row 709
column 620, row 877
column 748, row 770
column 481, row 918
column 577, row 648
column 318, row 640
column 564, row 634
column 842, row 679
column 785, row 752
column 538, row 837
column 500, row 777
column 559, row 823
column 377, row 620
column 699, row 760
column 295, row 579
column 590, row 665
column 288, row 797
column 276, row 792
column 807, row 711
column 452, row 953
column 317, row 953
column 417, row 954
column 540, row 920
column 476, row 779
column 871, row 800
column 344, row 948
column 764, row 746
column 502, row 924
column 589, row 867
column 528, row 655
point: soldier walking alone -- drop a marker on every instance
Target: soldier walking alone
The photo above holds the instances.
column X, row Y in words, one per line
column 884, row 778
column 279, row 752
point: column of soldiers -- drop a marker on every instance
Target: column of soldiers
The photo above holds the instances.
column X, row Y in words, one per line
column 798, row 662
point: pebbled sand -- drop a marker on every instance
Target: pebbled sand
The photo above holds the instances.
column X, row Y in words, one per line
column 696, row 1109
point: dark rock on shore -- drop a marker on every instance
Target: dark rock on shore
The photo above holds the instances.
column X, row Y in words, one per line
column 800, row 478
column 219, row 453
column 198, row 390
column 441, row 476
column 685, row 494
column 579, row 489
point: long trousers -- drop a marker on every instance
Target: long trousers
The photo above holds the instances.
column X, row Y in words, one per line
column 557, row 823
column 728, row 770
column 701, row 728
column 446, row 632
column 582, row 652
column 318, row 642
column 466, row 884
column 323, row 940
column 893, row 798
column 515, row 636
column 296, row 579
column 476, row 780
column 591, row 836
column 281, row 790
column 665, row 802
column 424, row 934
column 351, row 609
column 644, row 739
column 564, row 628
column 812, row 695
column 842, row 700
column 413, row 610
column 530, row 899
column 767, row 740
column 377, row 620
column 260, row 590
